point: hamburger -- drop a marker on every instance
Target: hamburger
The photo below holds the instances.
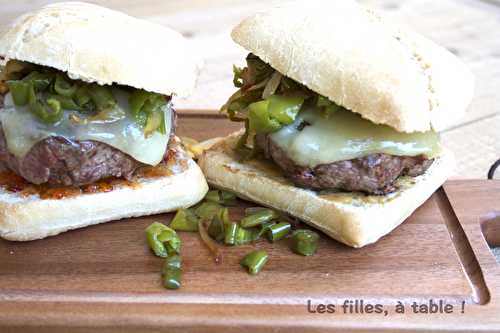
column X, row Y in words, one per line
column 87, row 129
column 342, row 113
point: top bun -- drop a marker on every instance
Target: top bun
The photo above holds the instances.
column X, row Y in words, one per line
column 97, row 44
column 347, row 53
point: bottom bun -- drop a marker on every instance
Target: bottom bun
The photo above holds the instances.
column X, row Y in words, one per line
column 24, row 218
column 354, row 219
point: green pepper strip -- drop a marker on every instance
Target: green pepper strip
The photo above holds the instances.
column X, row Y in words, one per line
column 67, row 103
column 172, row 272
column 217, row 227
column 152, row 234
column 284, row 108
column 40, row 81
column 101, row 96
column 221, row 197
column 304, row 242
column 171, row 241
column 20, row 91
column 63, row 87
column 278, row 231
column 262, row 216
column 48, row 111
column 259, row 118
column 245, row 236
column 84, row 100
column 207, row 210
column 255, row 261
column 184, row 220
column 230, row 234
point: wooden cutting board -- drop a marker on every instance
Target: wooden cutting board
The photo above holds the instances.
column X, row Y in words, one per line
column 104, row 277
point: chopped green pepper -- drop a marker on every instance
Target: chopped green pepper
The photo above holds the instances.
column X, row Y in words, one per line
column 171, row 241
column 217, row 226
column 304, row 242
column 259, row 119
column 66, row 102
column 63, row 87
column 162, row 239
column 20, row 91
column 184, row 220
column 255, row 261
column 221, row 197
column 230, row 235
column 284, row 108
column 278, row 231
column 83, row 99
column 207, row 210
column 264, row 215
column 172, row 272
column 40, row 81
column 49, row 111
column 245, row 236
column 101, row 96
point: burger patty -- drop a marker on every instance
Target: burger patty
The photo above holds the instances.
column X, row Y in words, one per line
column 59, row 161
column 372, row 174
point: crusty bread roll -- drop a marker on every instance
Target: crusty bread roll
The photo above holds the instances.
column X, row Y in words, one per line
column 351, row 218
column 27, row 218
column 97, row 44
column 347, row 53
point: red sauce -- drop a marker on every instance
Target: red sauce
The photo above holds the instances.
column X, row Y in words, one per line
column 12, row 182
column 174, row 162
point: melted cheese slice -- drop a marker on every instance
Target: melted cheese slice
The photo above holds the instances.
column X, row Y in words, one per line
column 22, row 131
column 344, row 135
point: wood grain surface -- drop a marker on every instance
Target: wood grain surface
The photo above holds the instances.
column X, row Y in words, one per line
column 104, row 277
column 469, row 28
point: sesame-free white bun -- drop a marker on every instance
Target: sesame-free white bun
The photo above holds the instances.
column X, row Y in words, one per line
column 27, row 218
column 352, row 218
column 96, row 44
column 349, row 54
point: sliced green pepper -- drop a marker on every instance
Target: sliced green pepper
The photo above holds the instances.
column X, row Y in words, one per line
column 66, row 102
column 152, row 233
column 221, row 197
column 245, row 236
column 83, row 99
column 171, row 241
column 162, row 239
column 137, row 99
column 217, row 227
column 49, row 111
column 259, row 119
column 230, row 234
column 262, row 216
column 207, row 210
column 172, row 272
column 153, row 122
column 63, row 87
column 255, row 261
column 101, row 96
column 284, row 108
column 20, row 91
column 40, row 81
column 278, row 231
column 184, row 220
column 304, row 242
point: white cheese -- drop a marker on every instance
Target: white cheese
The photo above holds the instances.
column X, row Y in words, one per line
column 23, row 130
column 344, row 135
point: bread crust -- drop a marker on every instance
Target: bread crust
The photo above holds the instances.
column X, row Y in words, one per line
column 349, row 54
column 351, row 218
column 97, row 44
column 28, row 218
